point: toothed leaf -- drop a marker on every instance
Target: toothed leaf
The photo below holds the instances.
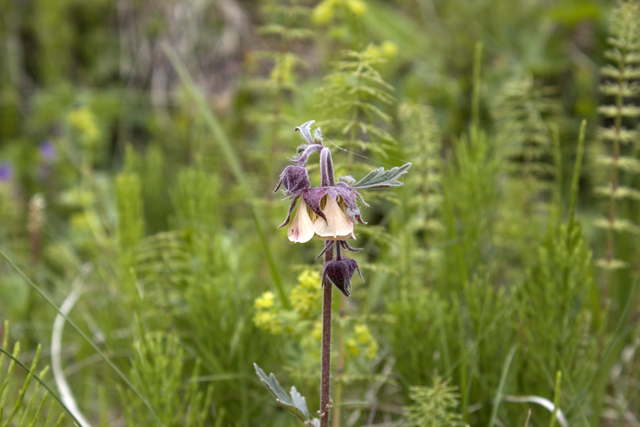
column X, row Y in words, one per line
column 379, row 178
column 295, row 404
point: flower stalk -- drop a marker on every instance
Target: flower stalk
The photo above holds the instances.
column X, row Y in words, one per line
column 328, row 212
column 325, row 375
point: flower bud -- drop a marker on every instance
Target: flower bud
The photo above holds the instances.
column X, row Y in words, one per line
column 339, row 272
column 294, row 180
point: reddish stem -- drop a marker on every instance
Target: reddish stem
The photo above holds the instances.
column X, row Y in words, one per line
column 325, row 379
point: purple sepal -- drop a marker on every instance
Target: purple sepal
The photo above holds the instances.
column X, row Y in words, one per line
column 294, row 180
column 328, row 245
column 345, row 245
column 305, row 131
column 349, row 195
column 293, row 205
column 302, row 159
column 340, row 272
column 313, row 196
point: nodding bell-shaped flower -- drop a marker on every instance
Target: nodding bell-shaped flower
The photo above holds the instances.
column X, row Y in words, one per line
column 330, row 210
column 301, row 229
column 336, row 224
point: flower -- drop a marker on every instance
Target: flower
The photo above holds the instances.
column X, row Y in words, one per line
column 357, row 7
column 337, row 224
column 326, row 217
column 265, row 301
column 47, row 151
column 330, row 210
column 302, row 227
column 6, row 172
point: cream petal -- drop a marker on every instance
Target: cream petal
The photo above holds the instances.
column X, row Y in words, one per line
column 301, row 228
column 338, row 225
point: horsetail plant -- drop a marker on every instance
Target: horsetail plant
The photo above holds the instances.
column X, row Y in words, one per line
column 620, row 85
column 328, row 212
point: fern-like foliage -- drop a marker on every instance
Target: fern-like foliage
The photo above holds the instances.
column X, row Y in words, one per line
column 353, row 98
column 286, row 28
column 524, row 115
column 286, row 23
column 195, row 198
column 130, row 227
column 23, row 405
column 162, row 273
column 434, row 406
column 158, row 371
column 421, row 139
column 621, row 86
column 560, row 283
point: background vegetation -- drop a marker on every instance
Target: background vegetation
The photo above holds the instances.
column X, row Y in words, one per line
column 139, row 144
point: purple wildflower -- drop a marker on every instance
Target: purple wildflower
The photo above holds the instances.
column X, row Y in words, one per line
column 329, row 211
column 6, row 172
column 47, row 151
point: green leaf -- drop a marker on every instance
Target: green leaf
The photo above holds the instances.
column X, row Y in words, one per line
column 378, row 178
column 296, row 403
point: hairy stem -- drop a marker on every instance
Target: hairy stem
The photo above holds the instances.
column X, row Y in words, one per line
column 325, row 379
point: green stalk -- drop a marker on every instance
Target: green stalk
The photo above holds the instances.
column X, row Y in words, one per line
column 37, row 378
column 503, row 380
column 556, row 399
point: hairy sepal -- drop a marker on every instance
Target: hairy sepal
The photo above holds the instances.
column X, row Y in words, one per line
column 340, row 272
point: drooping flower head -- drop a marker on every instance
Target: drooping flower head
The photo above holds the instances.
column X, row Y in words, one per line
column 331, row 210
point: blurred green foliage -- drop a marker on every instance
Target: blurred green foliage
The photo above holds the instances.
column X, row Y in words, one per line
column 491, row 270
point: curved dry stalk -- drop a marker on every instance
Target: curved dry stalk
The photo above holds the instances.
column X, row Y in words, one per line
column 66, row 395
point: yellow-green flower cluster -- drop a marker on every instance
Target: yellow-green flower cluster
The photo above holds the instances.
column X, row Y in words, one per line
column 362, row 340
column 302, row 321
column 305, row 298
column 267, row 316
column 386, row 50
column 283, row 68
column 326, row 10
column 83, row 122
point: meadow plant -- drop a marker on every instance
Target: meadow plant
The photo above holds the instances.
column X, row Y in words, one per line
column 329, row 213
column 619, row 137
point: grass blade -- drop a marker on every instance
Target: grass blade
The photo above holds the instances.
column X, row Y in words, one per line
column 86, row 338
column 503, row 380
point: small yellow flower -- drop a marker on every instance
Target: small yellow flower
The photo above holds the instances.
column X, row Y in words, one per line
column 352, row 347
column 83, row 122
column 323, row 12
column 265, row 301
column 374, row 51
column 267, row 321
column 357, row 7
column 305, row 297
column 363, row 336
column 389, row 49
column 317, row 331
